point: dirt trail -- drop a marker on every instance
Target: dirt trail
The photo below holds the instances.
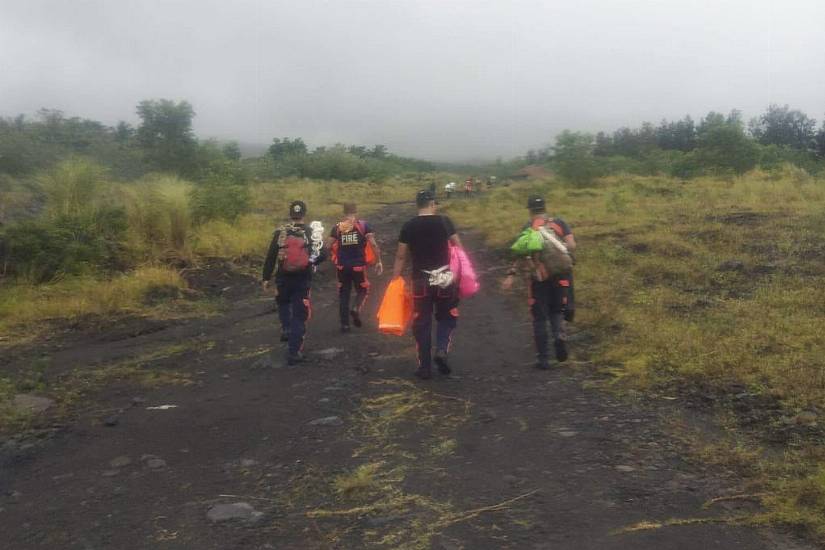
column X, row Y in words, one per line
column 499, row 456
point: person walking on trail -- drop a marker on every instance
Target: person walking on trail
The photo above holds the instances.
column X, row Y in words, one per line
column 425, row 239
column 292, row 258
column 468, row 186
column 353, row 248
column 549, row 295
column 449, row 189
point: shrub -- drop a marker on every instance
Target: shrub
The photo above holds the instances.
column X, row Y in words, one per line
column 219, row 201
column 40, row 250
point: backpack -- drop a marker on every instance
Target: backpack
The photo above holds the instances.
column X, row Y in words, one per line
column 463, row 269
column 293, row 249
column 553, row 260
column 369, row 253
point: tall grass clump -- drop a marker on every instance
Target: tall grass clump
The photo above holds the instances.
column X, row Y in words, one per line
column 28, row 305
column 247, row 238
column 75, row 188
column 160, row 218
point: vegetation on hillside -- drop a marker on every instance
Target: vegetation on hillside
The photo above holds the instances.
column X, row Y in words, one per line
column 87, row 207
column 718, row 145
column 700, row 270
column 709, row 289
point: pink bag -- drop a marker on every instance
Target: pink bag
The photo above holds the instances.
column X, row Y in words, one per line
column 463, row 269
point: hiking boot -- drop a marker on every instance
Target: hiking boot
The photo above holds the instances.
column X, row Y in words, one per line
column 356, row 318
column 423, row 374
column 561, row 351
column 284, row 336
column 569, row 315
column 293, row 359
column 345, row 329
column 542, row 363
column 441, row 361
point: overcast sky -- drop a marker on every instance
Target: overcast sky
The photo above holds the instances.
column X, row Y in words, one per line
column 438, row 79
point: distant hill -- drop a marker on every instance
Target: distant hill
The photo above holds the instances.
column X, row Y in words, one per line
column 253, row 149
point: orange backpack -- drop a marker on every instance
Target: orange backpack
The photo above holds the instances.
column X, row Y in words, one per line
column 369, row 254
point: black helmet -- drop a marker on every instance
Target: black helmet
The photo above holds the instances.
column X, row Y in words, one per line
column 297, row 210
column 536, row 204
column 424, row 197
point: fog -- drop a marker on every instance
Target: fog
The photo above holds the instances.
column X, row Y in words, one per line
column 437, row 79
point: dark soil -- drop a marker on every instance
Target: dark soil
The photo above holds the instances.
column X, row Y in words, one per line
column 498, row 456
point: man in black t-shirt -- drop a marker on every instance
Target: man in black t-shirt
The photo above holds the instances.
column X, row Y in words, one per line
column 426, row 240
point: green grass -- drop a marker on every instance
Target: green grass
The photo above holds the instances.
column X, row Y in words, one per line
column 713, row 284
column 161, row 233
column 24, row 308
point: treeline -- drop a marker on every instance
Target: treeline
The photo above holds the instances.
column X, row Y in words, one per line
column 288, row 157
column 79, row 197
column 715, row 145
column 165, row 142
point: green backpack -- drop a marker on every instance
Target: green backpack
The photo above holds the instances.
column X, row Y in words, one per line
column 548, row 252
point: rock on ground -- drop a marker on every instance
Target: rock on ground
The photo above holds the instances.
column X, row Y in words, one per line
column 24, row 402
column 238, row 510
column 120, row 462
column 327, row 421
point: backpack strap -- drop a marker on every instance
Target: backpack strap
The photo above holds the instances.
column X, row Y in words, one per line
column 361, row 227
column 555, row 226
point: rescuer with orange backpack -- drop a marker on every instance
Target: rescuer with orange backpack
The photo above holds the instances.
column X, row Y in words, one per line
column 353, row 248
column 292, row 258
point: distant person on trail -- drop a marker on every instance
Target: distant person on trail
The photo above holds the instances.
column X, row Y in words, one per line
column 550, row 297
column 353, row 248
column 425, row 239
column 468, row 186
column 292, row 258
column 449, row 189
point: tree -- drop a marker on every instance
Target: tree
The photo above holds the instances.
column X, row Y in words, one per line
column 723, row 145
column 124, row 132
column 378, row 152
column 784, row 126
column 604, row 145
column 232, row 151
column 676, row 136
column 573, row 157
column 281, row 148
column 820, row 142
column 165, row 134
column 359, row 151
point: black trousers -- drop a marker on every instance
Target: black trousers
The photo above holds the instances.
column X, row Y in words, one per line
column 548, row 302
column 294, row 308
column 349, row 278
column 429, row 300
